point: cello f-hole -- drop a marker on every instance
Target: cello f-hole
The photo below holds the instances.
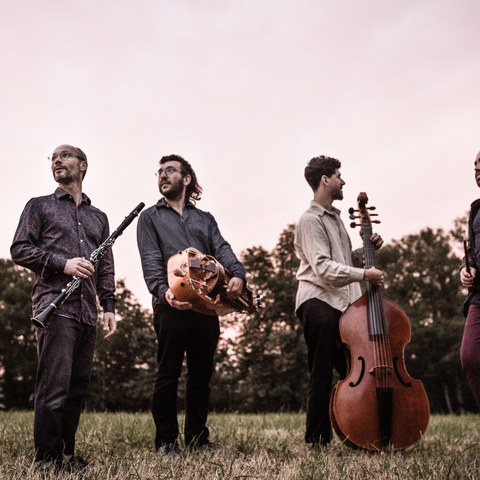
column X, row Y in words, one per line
column 362, row 373
column 397, row 373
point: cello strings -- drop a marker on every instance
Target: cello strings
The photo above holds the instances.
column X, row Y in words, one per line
column 377, row 321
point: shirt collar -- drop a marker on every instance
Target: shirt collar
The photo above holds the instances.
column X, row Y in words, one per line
column 322, row 210
column 163, row 203
column 60, row 193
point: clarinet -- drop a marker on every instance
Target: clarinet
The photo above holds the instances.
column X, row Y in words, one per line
column 40, row 320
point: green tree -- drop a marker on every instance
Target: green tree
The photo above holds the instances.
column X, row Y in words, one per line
column 422, row 278
column 124, row 365
column 17, row 337
column 266, row 361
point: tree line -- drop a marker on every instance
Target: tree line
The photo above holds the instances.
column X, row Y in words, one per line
column 261, row 361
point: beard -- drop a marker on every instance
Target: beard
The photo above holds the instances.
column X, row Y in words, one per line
column 174, row 190
column 338, row 195
column 64, row 177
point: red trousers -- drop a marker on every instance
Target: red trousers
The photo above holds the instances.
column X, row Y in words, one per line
column 470, row 351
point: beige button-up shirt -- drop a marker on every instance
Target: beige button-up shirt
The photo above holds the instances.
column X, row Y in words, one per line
column 326, row 267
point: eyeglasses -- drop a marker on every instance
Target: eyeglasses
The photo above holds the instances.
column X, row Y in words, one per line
column 168, row 171
column 63, row 155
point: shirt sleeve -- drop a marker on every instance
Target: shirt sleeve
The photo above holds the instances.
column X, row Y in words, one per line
column 223, row 252
column 25, row 249
column 153, row 263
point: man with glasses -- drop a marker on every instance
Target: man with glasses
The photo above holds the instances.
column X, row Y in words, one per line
column 172, row 225
column 55, row 236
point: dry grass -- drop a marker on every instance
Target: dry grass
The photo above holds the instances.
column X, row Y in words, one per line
column 266, row 446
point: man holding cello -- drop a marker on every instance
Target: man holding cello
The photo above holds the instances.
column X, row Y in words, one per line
column 328, row 284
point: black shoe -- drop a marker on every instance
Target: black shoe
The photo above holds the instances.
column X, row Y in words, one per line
column 205, row 446
column 168, row 450
column 319, row 446
column 50, row 465
column 73, row 463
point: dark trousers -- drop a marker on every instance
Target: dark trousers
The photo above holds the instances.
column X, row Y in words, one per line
column 470, row 351
column 320, row 328
column 179, row 333
column 65, row 356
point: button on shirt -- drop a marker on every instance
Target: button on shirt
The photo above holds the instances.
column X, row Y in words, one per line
column 163, row 232
column 53, row 229
column 326, row 268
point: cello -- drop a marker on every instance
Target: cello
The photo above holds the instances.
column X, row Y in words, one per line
column 378, row 406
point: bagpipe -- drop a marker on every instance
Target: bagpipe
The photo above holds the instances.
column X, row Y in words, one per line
column 202, row 280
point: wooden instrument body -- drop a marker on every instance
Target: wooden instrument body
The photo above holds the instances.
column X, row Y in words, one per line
column 354, row 409
column 201, row 280
column 378, row 406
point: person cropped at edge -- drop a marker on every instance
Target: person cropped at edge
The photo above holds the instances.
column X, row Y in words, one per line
column 55, row 236
column 470, row 349
column 173, row 224
column 327, row 285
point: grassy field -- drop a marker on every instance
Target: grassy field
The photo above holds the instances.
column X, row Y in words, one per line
column 266, row 446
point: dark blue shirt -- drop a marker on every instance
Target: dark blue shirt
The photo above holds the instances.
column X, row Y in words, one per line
column 475, row 298
column 53, row 229
column 163, row 232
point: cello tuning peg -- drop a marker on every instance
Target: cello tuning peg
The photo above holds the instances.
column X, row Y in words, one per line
column 353, row 225
column 353, row 217
column 374, row 214
column 371, row 208
column 376, row 221
column 351, row 210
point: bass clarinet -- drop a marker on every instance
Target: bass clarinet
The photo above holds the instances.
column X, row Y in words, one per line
column 40, row 320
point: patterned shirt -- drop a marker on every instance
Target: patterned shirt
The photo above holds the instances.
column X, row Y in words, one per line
column 53, row 229
column 326, row 267
column 163, row 232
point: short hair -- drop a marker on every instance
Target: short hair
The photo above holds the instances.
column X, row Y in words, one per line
column 319, row 166
column 81, row 156
column 194, row 189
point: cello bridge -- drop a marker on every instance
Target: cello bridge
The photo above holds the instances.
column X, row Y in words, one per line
column 381, row 370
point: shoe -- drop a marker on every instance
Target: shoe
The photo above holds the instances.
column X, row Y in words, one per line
column 168, row 450
column 319, row 446
column 205, row 446
column 50, row 465
column 73, row 463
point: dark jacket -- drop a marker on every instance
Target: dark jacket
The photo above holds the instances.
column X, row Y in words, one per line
column 474, row 208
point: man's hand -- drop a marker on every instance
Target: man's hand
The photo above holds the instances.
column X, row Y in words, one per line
column 468, row 279
column 374, row 276
column 234, row 287
column 109, row 324
column 377, row 240
column 173, row 302
column 78, row 266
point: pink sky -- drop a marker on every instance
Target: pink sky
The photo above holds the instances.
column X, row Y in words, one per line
column 248, row 91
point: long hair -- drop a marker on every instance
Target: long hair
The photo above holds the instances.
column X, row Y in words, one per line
column 194, row 190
